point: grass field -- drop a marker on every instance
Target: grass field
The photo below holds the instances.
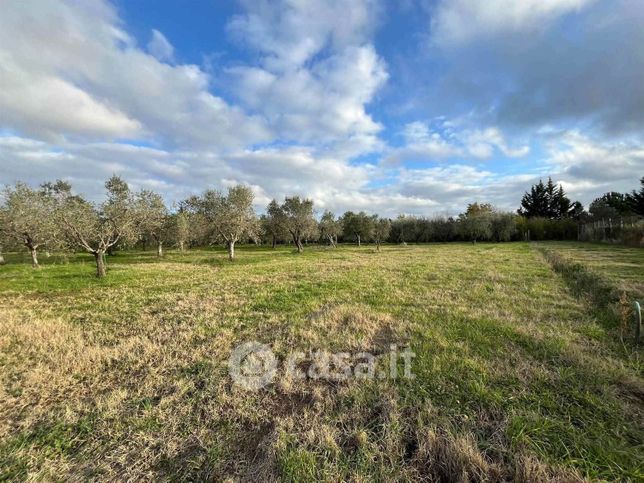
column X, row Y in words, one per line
column 517, row 375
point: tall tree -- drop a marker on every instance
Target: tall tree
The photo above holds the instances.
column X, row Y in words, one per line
column 547, row 201
column 97, row 228
column 535, row 203
column 232, row 216
column 358, row 226
column 330, row 228
column 560, row 204
column 299, row 219
column 27, row 216
column 576, row 211
column 154, row 219
column 611, row 205
column 551, row 195
column 636, row 199
column 381, row 230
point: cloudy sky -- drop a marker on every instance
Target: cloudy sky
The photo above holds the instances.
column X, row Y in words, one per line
column 408, row 106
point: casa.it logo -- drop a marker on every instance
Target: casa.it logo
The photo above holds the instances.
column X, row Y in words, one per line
column 253, row 365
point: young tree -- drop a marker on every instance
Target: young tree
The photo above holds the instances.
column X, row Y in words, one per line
column 154, row 220
column 274, row 223
column 97, row 228
column 299, row 220
column 26, row 216
column 381, row 230
column 181, row 225
column 330, row 228
column 232, row 216
column 200, row 231
column 358, row 226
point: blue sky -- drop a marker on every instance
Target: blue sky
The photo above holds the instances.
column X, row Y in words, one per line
column 416, row 107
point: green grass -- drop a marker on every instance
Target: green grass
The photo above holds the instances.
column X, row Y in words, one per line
column 622, row 266
column 517, row 376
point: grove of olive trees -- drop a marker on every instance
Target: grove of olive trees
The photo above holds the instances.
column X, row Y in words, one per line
column 53, row 218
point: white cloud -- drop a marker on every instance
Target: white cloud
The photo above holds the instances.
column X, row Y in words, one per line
column 480, row 143
column 590, row 167
column 460, row 21
column 290, row 33
column 528, row 63
column 68, row 69
column 75, row 84
column 425, row 144
column 160, row 47
column 316, row 71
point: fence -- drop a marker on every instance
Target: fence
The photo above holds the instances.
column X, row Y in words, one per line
column 629, row 231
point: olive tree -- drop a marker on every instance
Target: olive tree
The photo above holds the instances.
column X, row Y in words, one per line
column 381, row 230
column 96, row 228
column 154, row 220
column 181, row 228
column 358, row 226
column 198, row 230
column 232, row 216
column 299, row 220
column 330, row 228
column 26, row 216
column 476, row 223
column 274, row 223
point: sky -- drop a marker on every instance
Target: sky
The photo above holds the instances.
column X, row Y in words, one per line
column 402, row 107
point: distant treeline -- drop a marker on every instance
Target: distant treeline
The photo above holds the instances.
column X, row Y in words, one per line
column 53, row 217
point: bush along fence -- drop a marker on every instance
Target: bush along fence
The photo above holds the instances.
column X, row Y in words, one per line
column 629, row 231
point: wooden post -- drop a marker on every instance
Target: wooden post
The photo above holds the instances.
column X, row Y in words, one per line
column 638, row 321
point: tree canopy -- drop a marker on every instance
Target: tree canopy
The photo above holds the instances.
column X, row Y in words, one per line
column 548, row 201
column 231, row 216
column 299, row 220
column 96, row 228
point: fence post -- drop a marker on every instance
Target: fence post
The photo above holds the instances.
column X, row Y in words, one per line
column 638, row 321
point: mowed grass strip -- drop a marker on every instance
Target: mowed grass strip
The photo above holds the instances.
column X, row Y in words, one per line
column 126, row 377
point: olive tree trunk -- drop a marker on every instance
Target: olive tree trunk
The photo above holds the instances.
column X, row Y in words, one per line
column 99, row 256
column 181, row 246
column 34, row 257
column 231, row 250
column 358, row 237
column 159, row 248
column 274, row 241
